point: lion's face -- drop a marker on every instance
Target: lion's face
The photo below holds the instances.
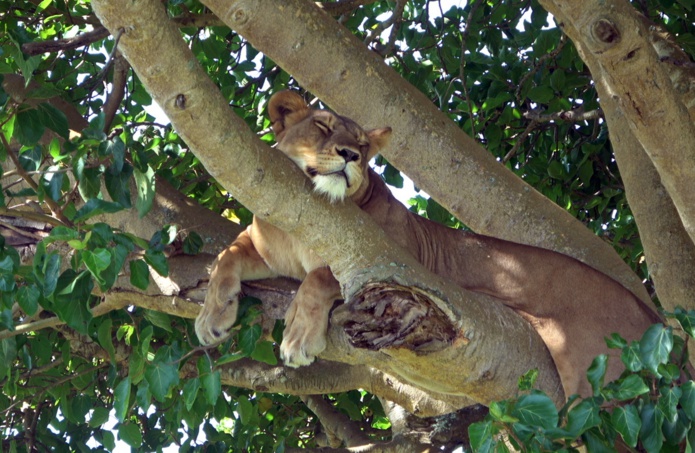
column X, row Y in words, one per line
column 330, row 149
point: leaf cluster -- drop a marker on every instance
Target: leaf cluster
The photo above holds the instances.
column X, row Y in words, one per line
column 650, row 407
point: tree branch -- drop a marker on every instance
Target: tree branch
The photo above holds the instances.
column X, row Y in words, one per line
column 336, row 422
column 570, row 116
column 81, row 40
column 120, row 78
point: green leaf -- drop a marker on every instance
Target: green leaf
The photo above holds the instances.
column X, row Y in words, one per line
column 582, row 417
column 676, row 430
column 556, row 170
column 192, row 244
column 116, row 148
column 53, row 119
column 686, row 320
column 528, row 380
column 52, row 182
column 28, row 128
column 668, row 402
column 244, row 409
column 139, row 274
column 121, row 399
column 28, row 299
column 89, row 183
column 119, row 253
column 118, row 185
column 8, row 353
column 536, row 410
column 72, row 298
column 687, row 400
column 631, row 357
column 105, row 339
column 158, row 261
column 212, row 387
column 130, row 434
column 615, row 341
column 626, row 420
column 650, row 432
column 146, row 190
column 162, row 373
column 541, row 94
column 248, row 336
column 51, row 272
column 264, row 353
column 96, row 207
column 630, row 387
column 96, row 262
column 597, row 372
column 482, row 437
column 159, row 319
column 655, row 346
column 190, row 392
column 100, row 415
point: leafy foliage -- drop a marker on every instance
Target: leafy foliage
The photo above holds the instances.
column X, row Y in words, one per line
column 649, row 408
column 485, row 65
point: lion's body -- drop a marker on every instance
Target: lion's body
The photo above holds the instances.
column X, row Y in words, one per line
column 572, row 306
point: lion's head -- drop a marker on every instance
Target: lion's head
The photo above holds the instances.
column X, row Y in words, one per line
column 330, row 149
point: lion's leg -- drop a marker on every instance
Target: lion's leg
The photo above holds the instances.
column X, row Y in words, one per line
column 237, row 263
column 306, row 321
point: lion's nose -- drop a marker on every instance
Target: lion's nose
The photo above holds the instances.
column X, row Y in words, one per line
column 348, row 154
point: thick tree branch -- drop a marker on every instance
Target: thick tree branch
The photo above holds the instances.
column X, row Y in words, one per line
column 278, row 192
column 616, row 37
column 669, row 250
column 468, row 181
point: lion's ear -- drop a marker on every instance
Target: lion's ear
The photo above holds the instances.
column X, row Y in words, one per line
column 285, row 109
column 378, row 139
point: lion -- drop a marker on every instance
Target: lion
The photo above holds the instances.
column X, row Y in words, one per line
column 571, row 305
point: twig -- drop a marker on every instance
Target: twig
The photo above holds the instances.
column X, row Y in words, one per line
column 81, row 40
column 398, row 15
column 537, row 66
column 394, row 20
column 520, row 139
column 109, row 60
column 571, row 116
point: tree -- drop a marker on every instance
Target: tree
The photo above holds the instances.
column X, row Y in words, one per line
column 91, row 223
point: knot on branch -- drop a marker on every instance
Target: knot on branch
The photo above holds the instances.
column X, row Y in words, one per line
column 387, row 315
column 606, row 32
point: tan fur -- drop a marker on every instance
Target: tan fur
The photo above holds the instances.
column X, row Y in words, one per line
column 572, row 306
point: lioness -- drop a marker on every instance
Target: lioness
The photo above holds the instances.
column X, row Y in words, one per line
column 572, row 306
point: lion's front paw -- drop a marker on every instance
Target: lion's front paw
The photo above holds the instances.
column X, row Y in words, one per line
column 217, row 316
column 304, row 337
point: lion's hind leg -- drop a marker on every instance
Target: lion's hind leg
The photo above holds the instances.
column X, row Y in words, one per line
column 237, row 263
column 306, row 321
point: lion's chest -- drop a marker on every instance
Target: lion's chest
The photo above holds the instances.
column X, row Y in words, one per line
column 282, row 252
